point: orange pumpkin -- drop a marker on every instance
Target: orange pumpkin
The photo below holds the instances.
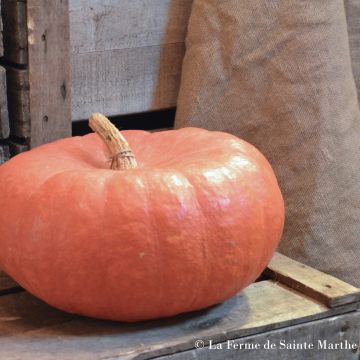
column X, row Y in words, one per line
column 194, row 222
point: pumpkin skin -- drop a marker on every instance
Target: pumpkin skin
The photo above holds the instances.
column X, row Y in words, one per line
column 196, row 222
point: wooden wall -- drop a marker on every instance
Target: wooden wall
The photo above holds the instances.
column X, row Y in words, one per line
column 4, row 118
column 126, row 55
column 68, row 58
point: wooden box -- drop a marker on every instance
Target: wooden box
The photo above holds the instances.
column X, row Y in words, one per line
column 292, row 312
column 69, row 58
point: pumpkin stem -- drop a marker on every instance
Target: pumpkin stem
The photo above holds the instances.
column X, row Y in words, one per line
column 121, row 155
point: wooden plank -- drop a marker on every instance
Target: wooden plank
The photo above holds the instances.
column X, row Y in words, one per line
column 1, row 34
column 4, row 116
column 100, row 25
column 49, row 70
column 325, row 288
column 7, row 284
column 33, row 328
column 126, row 55
column 306, row 341
column 4, row 154
column 117, row 82
column 15, row 31
column 16, row 147
column 19, row 102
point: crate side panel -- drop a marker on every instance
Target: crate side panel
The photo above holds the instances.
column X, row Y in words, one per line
column 118, row 82
column 4, row 115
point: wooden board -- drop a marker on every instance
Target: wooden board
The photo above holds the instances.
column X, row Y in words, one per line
column 49, row 70
column 4, row 116
column 15, row 31
column 4, row 155
column 7, row 285
column 322, row 287
column 126, row 81
column 305, row 341
column 35, row 329
column 1, row 34
column 126, row 55
column 19, row 102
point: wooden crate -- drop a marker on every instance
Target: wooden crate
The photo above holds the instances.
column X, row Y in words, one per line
column 69, row 58
column 4, row 119
column 292, row 305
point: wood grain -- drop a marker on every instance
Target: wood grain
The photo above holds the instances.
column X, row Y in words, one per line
column 4, row 156
column 116, row 82
column 6, row 283
column 49, row 70
column 4, row 115
column 37, row 330
column 19, row 102
column 126, row 55
column 338, row 329
column 325, row 288
column 101, row 25
column 1, row 34
column 15, row 31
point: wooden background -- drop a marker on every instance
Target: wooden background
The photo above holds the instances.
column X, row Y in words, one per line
column 68, row 58
column 4, row 118
column 126, row 55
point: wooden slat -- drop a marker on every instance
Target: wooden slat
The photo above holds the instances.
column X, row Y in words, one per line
column 34, row 329
column 16, row 147
column 4, row 116
column 19, row 102
column 117, row 82
column 315, row 335
column 6, row 283
column 4, row 154
column 100, row 25
column 126, row 55
column 49, row 70
column 325, row 288
column 15, row 31
column 1, row 34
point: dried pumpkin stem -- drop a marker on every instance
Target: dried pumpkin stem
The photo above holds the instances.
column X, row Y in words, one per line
column 121, row 155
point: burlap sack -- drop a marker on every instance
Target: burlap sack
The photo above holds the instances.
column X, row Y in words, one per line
column 278, row 74
column 353, row 21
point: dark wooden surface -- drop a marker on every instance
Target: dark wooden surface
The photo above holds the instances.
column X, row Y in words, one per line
column 15, row 31
column 4, row 118
column 31, row 329
column 18, row 99
column 4, row 154
column 336, row 330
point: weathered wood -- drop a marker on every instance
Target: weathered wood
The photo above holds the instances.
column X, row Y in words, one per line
column 16, row 147
column 6, row 283
column 112, row 24
column 4, row 116
column 126, row 55
column 34, row 329
column 124, row 81
column 4, row 154
column 18, row 102
column 15, row 31
column 322, row 287
column 315, row 337
column 1, row 34
column 49, row 70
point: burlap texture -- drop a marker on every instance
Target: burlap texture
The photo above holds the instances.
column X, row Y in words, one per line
column 353, row 21
column 278, row 74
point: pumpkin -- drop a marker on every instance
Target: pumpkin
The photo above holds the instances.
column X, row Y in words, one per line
column 139, row 226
